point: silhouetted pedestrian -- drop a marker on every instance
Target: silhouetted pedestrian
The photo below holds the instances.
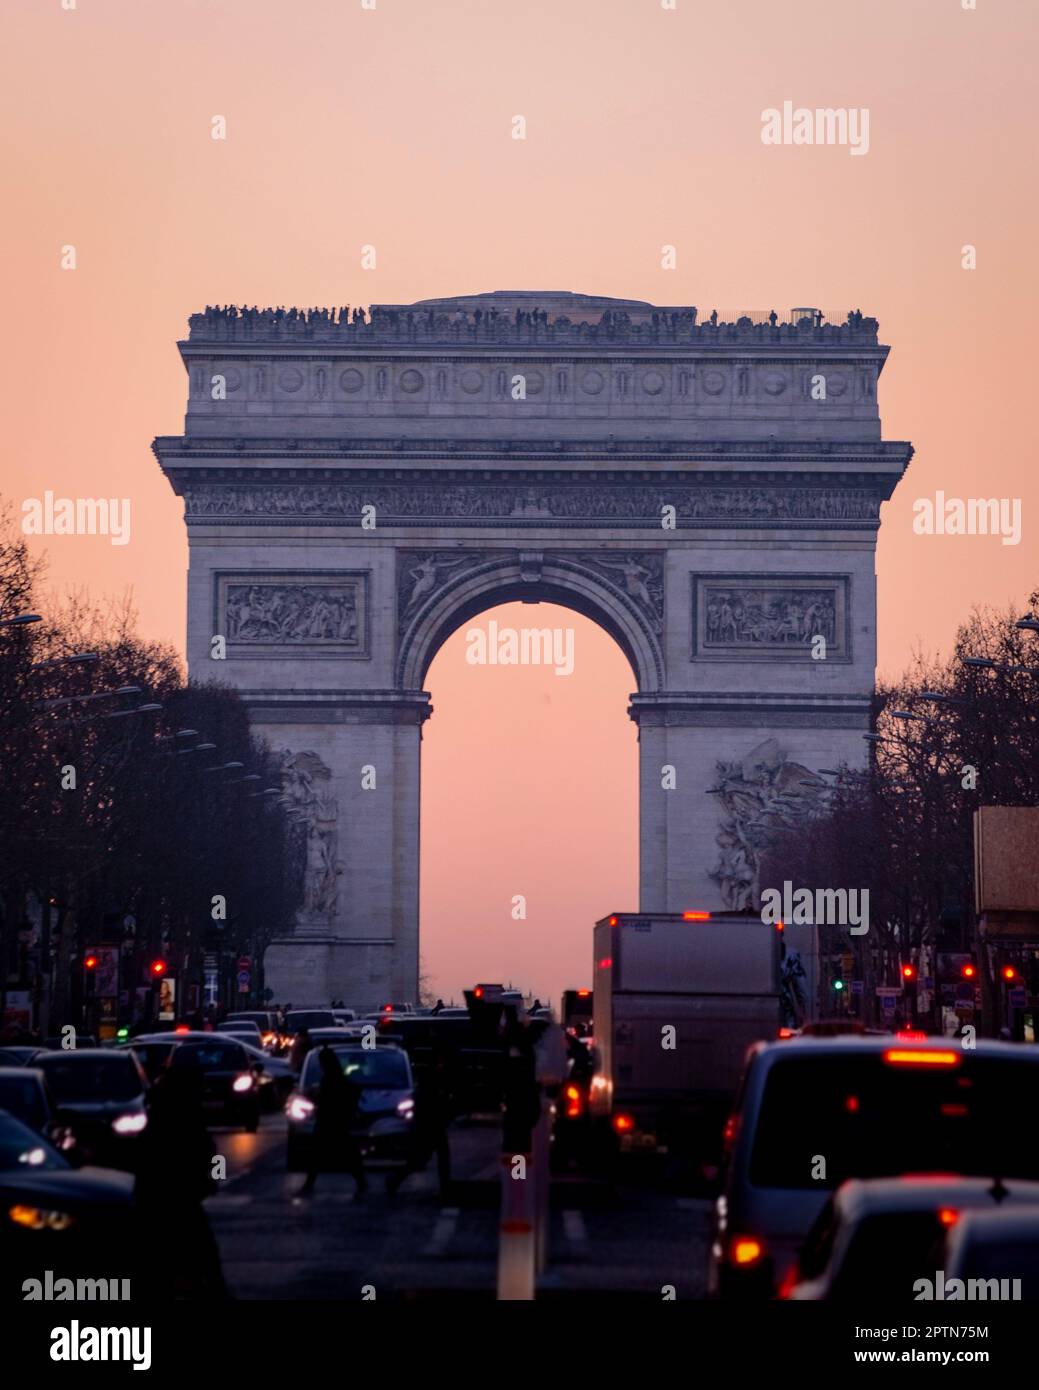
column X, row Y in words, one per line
column 174, row 1175
column 433, row 1114
column 334, row 1144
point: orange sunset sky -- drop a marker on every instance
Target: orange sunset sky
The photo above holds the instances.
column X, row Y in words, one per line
column 391, row 126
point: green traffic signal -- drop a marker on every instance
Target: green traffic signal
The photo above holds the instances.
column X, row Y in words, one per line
column 838, row 984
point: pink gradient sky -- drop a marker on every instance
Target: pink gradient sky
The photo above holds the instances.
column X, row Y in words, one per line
column 392, row 127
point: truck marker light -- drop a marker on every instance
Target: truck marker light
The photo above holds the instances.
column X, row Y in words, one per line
column 911, row 1057
column 746, row 1250
column 613, row 921
column 583, row 993
column 696, row 916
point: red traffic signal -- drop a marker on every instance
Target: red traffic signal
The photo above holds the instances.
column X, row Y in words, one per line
column 1009, row 973
column 90, row 962
column 909, row 972
column 969, row 971
column 157, row 967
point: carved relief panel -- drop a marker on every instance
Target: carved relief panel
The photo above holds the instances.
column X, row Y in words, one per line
column 768, row 617
column 317, row 613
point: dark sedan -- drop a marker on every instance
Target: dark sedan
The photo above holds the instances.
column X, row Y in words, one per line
column 24, row 1093
column 384, row 1119
column 56, row 1217
column 100, row 1094
column 230, row 1091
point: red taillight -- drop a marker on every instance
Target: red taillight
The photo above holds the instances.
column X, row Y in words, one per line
column 182, row 1028
column 606, row 962
column 623, row 1124
column 732, row 1124
column 948, row 1216
column 745, row 1250
column 786, row 1033
column 779, row 926
column 908, row 1035
column 852, row 1104
column 954, row 1111
column 583, row 993
column 573, row 1102
column 388, row 1008
column 696, row 916
column 913, row 1057
column 613, row 921
column 478, row 992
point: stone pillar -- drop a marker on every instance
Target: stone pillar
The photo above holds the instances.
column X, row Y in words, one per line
column 738, row 772
column 352, row 772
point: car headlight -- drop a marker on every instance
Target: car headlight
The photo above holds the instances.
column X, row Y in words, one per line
column 34, row 1157
column 243, row 1083
column 406, row 1108
column 299, row 1108
column 40, row 1218
column 130, row 1124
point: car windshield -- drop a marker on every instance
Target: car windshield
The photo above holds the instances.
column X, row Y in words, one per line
column 261, row 1020
column 309, row 1018
column 870, row 1118
column 384, row 1068
column 73, row 1078
column 24, row 1150
column 216, row 1056
column 23, row 1097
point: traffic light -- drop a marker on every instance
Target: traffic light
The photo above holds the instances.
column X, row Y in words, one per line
column 838, row 985
column 969, row 971
column 157, row 968
column 1009, row 974
column 90, row 961
column 909, row 973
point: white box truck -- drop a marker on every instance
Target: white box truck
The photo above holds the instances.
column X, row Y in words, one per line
column 679, row 997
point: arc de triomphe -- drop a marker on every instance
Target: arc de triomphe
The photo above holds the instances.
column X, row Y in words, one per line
column 357, row 485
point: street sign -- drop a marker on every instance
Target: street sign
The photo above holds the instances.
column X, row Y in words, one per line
column 1018, row 998
column 856, row 986
column 888, row 991
column 887, row 1003
column 927, row 982
column 244, row 962
column 243, row 979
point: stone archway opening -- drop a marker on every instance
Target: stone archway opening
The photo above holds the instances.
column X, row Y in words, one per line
column 529, row 800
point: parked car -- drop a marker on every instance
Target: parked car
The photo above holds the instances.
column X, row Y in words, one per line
column 230, row 1089
column 242, row 1029
column 877, row 1238
column 24, row 1093
column 310, row 1019
column 100, row 1095
column 153, row 1051
column 995, row 1245
column 812, row 1112
column 265, row 1020
column 275, row 1078
column 385, row 1105
column 59, row 1218
column 19, row 1056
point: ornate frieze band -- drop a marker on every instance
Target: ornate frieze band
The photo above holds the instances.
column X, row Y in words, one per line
column 313, row 613
column 515, row 505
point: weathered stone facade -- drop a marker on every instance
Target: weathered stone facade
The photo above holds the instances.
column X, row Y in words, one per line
column 357, row 485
